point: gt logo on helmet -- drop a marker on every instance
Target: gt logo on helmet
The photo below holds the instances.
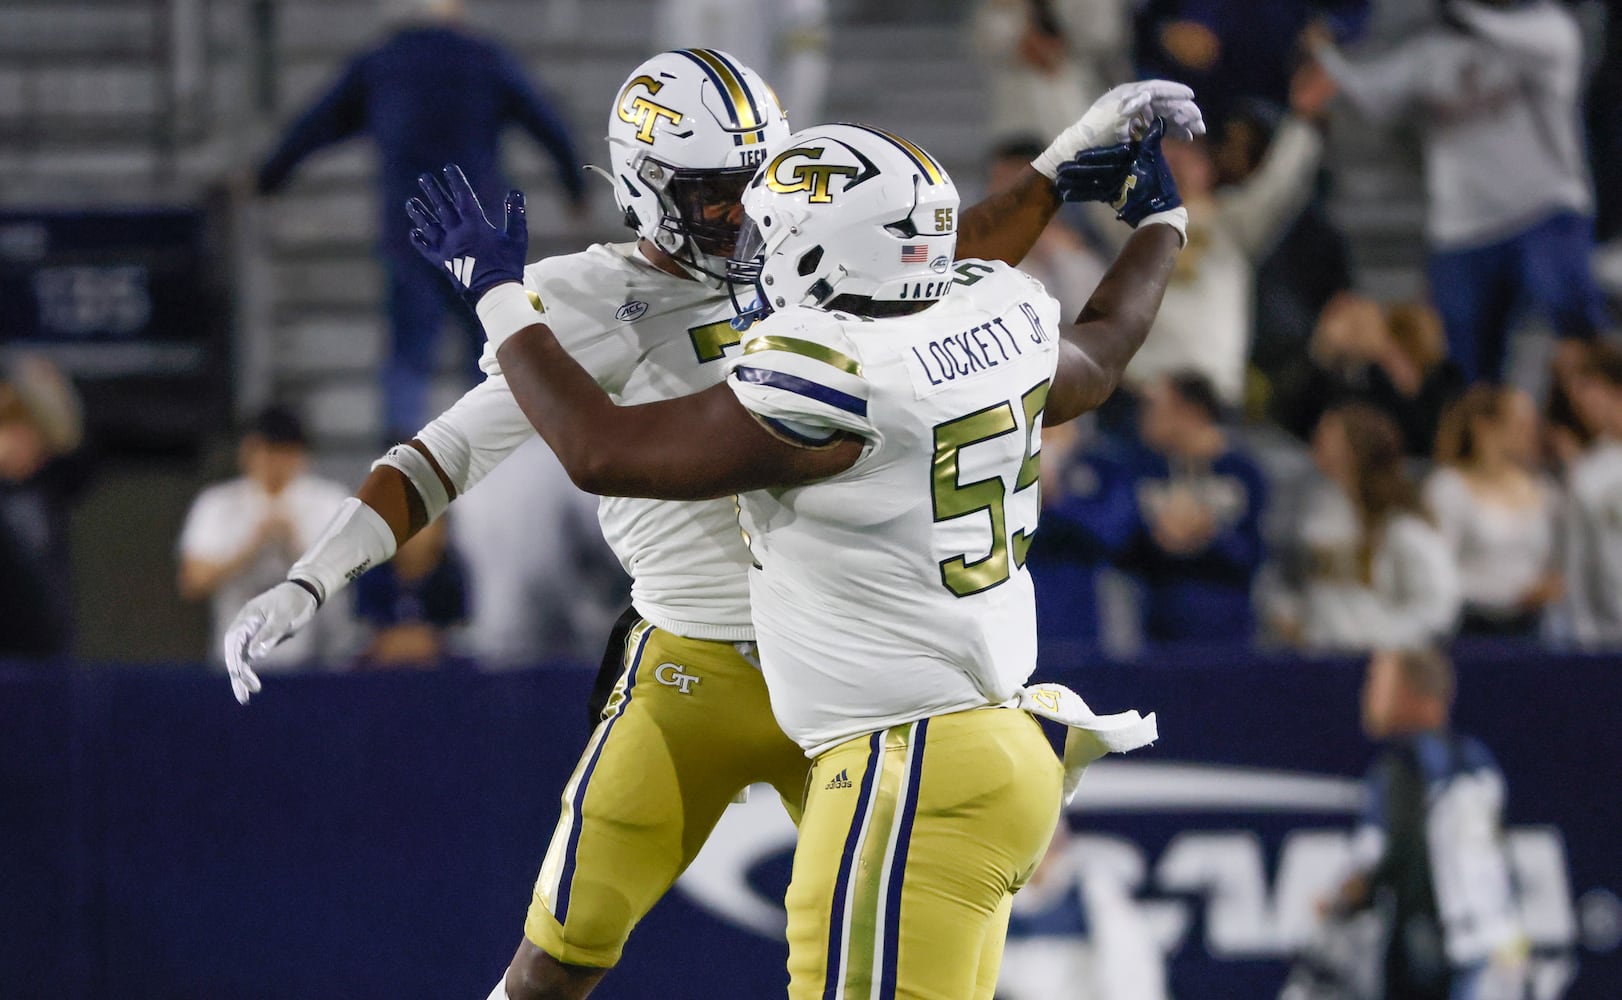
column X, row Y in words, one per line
column 644, row 113
column 803, row 176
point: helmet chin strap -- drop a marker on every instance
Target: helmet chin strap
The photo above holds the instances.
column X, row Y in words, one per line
column 688, row 261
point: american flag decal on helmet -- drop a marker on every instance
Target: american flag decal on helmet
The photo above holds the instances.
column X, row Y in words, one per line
column 914, row 253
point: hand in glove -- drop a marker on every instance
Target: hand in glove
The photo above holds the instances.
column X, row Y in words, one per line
column 261, row 624
column 451, row 231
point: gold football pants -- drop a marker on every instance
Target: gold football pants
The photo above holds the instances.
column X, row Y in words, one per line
column 912, row 844
column 687, row 728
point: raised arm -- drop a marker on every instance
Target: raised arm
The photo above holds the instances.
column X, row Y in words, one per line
column 1257, row 211
column 1006, row 225
column 1541, row 40
column 696, row 447
column 1115, row 321
column 339, row 114
column 1438, row 73
column 1383, row 87
column 693, row 448
column 1113, row 324
column 407, row 488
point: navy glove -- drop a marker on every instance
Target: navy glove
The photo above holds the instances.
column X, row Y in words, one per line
column 450, row 230
column 1149, row 188
column 1095, row 174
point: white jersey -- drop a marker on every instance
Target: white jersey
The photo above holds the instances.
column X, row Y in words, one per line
column 221, row 524
column 645, row 336
column 896, row 590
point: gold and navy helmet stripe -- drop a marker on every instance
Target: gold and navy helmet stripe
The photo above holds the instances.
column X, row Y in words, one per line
column 923, row 161
column 755, row 118
column 734, row 89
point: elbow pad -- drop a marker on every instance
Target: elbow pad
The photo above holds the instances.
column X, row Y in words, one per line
column 419, row 472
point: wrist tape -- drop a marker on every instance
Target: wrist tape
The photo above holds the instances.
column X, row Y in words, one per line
column 1064, row 148
column 506, row 309
column 1177, row 218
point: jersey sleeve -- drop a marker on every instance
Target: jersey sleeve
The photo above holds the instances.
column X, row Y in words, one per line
column 478, row 433
column 800, row 375
column 578, row 295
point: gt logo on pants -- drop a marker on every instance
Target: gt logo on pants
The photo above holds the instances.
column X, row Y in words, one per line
column 671, row 675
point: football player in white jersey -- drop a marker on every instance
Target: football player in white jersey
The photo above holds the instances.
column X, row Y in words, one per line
column 890, row 433
column 649, row 320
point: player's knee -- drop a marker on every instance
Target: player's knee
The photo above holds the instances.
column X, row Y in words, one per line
column 535, row 975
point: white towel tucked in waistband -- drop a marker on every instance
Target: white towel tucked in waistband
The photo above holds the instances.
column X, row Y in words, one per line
column 1089, row 736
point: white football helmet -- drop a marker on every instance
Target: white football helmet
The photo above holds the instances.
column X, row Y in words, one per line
column 846, row 210
column 687, row 132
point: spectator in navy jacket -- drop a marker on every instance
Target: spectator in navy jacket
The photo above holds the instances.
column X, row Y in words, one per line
column 429, row 95
column 1430, row 850
column 1199, row 501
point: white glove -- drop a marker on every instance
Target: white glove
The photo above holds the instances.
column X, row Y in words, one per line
column 262, row 623
column 1112, row 119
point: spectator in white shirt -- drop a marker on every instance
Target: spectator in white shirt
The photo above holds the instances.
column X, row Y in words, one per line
column 1375, row 573
column 1497, row 515
column 241, row 536
column 1494, row 90
column 1593, row 537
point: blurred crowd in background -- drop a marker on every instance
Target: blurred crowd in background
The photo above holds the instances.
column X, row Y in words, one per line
column 1302, row 458
column 1294, row 462
column 1457, row 493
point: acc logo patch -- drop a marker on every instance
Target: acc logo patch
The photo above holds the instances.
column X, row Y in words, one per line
column 939, row 265
column 631, row 311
